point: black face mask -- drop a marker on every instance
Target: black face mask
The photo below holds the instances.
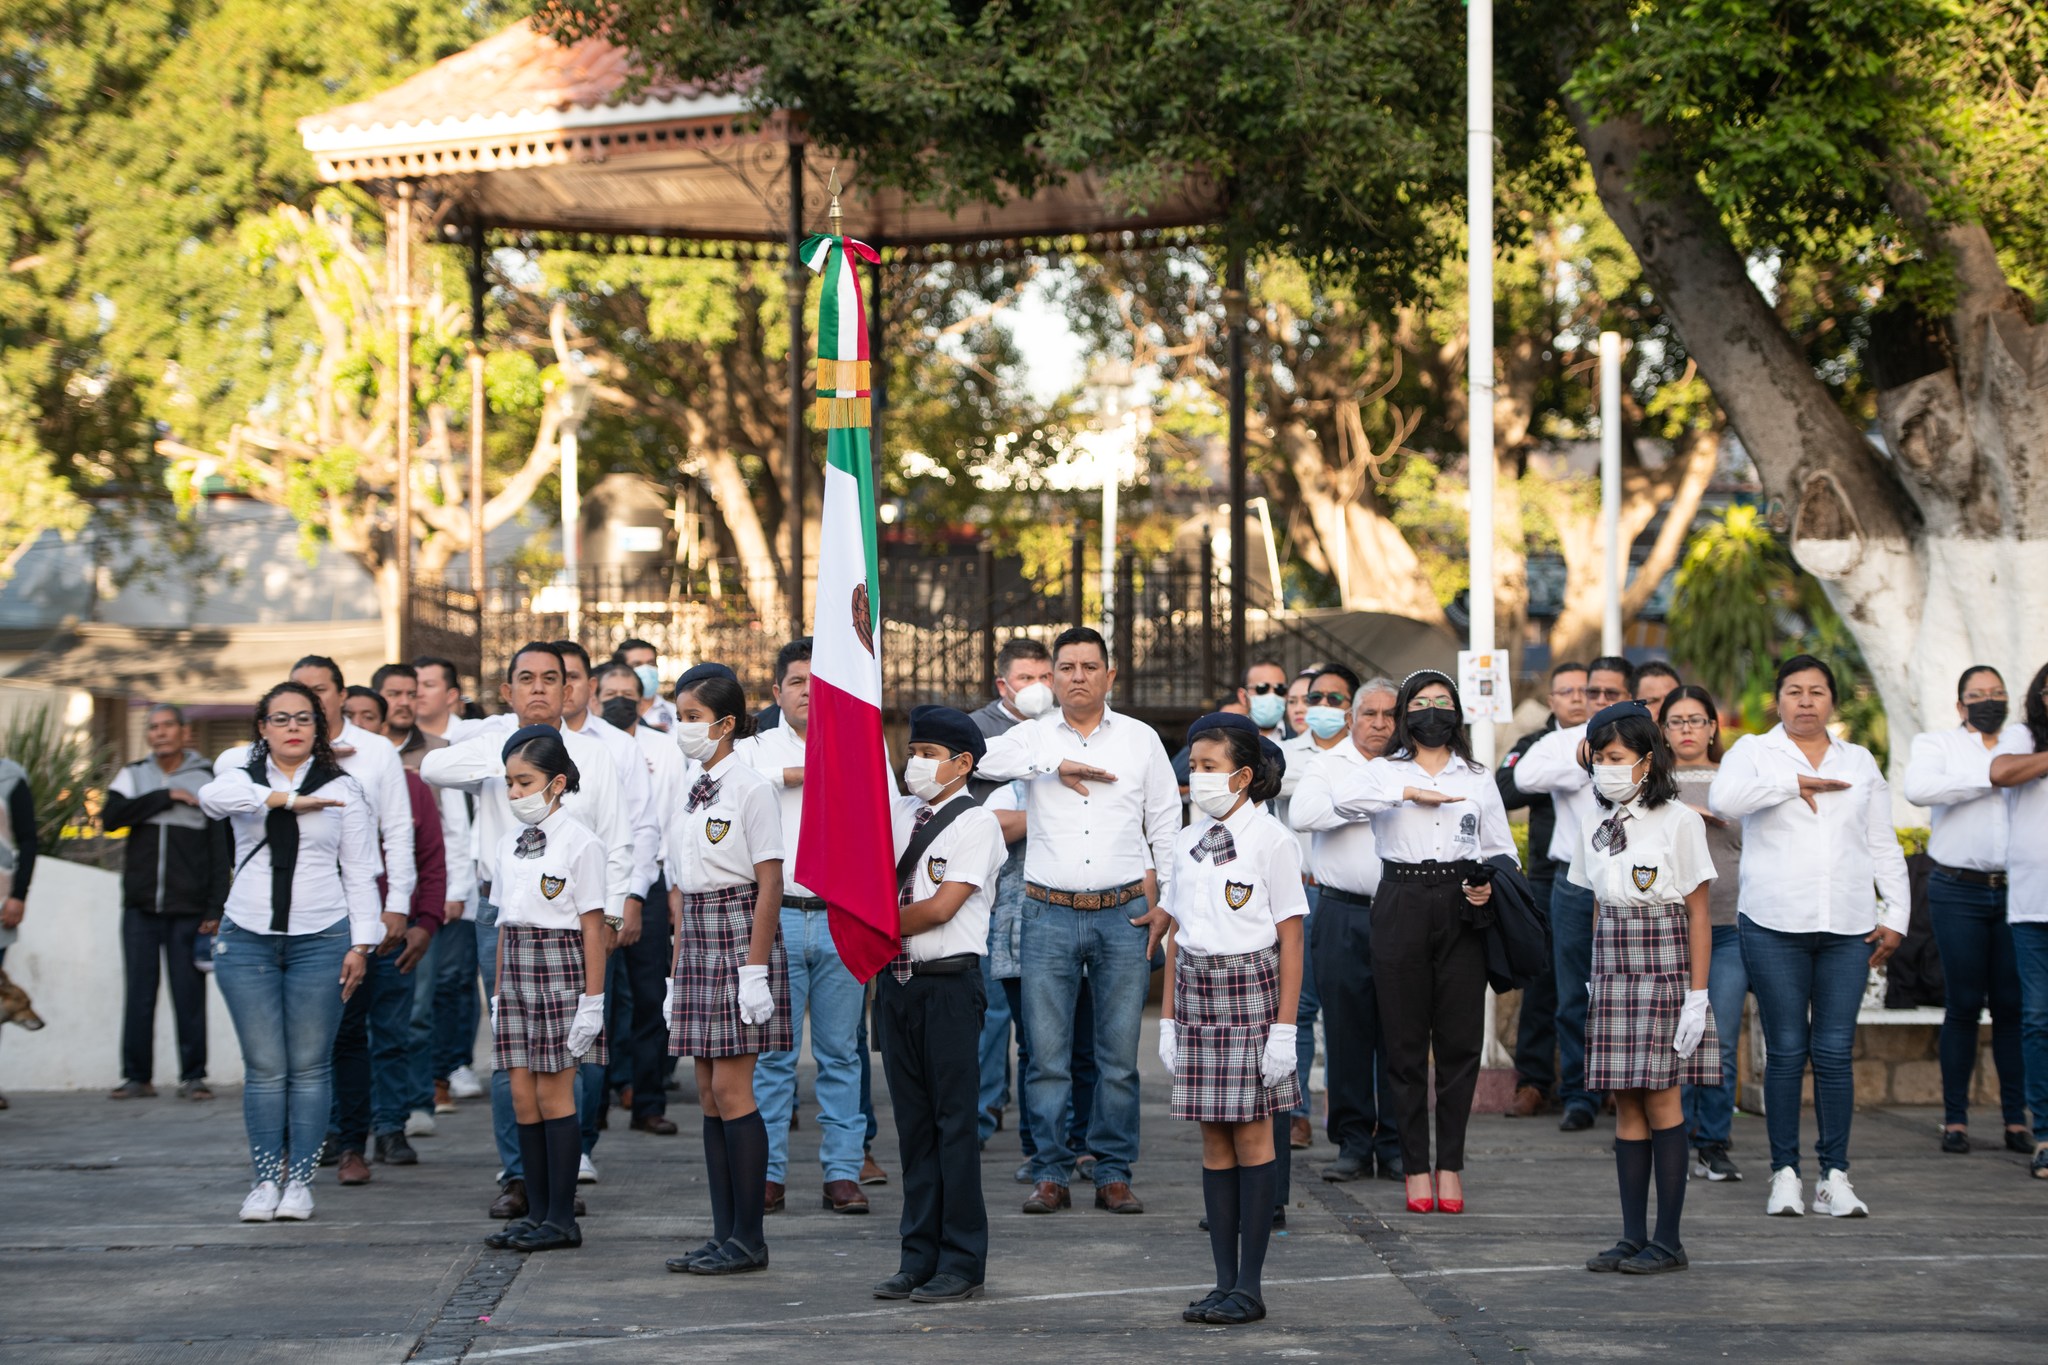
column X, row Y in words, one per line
column 1987, row 717
column 621, row 712
column 1433, row 728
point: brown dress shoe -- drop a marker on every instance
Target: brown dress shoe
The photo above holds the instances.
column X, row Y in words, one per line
column 772, row 1198
column 871, row 1172
column 444, row 1101
column 654, row 1123
column 843, row 1196
column 1300, row 1134
column 1527, row 1104
column 1047, row 1196
column 1117, row 1198
column 353, row 1170
column 511, row 1200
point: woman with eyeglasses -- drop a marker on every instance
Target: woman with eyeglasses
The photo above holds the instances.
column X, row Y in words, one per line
column 1692, row 728
column 302, row 916
column 2019, row 767
column 1824, row 900
column 1437, row 818
column 1950, row 774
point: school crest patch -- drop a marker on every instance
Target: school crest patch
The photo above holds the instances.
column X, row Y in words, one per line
column 715, row 830
column 935, row 868
column 1237, row 894
column 1645, row 877
column 551, row 887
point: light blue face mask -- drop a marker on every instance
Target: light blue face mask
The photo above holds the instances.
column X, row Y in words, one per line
column 650, row 681
column 1267, row 709
column 1326, row 722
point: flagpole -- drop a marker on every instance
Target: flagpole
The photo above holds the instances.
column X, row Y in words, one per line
column 1479, row 455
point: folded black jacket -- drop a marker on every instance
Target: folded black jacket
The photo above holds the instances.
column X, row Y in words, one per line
column 178, row 861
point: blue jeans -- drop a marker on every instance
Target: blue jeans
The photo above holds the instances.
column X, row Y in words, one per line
column 1571, row 961
column 1794, row 975
column 419, row 1043
column 1710, row 1109
column 372, row 1069
column 283, row 991
column 504, row 1124
column 455, row 997
column 2030, row 950
column 1977, row 965
column 819, row 981
column 1083, row 1070
column 1305, row 1012
column 994, row 1054
column 1058, row 944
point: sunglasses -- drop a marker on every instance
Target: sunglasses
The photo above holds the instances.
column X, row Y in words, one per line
column 286, row 720
column 1328, row 699
column 1605, row 694
column 1265, row 689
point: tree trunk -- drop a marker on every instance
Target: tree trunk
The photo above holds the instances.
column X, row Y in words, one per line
column 1374, row 566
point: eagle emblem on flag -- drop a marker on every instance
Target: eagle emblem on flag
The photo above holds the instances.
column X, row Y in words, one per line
column 1645, row 877
column 715, row 830
column 935, row 868
column 863, row 618
column 1237, row 894
column 551, row 887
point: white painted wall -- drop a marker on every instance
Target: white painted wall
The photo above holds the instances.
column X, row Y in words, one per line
column 68, row 959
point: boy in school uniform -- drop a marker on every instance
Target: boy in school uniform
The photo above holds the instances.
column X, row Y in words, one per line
column 930, row 1003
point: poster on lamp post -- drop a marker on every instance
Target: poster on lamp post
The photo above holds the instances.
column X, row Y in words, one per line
column 1483, row 684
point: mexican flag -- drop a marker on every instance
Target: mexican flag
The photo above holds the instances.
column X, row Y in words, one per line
column 846, row 850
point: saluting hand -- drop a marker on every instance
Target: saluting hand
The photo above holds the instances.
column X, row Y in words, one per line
column 1809, row 787
column 1427, row 796
column 1073, row 774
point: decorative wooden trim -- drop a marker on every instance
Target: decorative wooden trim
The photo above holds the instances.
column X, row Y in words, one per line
column 517, row 151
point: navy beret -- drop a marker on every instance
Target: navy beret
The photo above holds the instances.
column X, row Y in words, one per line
column 704, row 673
column 1222, row 720
column 525, row 735
column 947, row 726
column 1607, row 715
column 1273, row 754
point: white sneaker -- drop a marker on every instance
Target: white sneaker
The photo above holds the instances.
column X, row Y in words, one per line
column 261, row 1205
column 1834, row 1196
column 463, row 1084
column 421, row 1124
column 586, row 1171
column 297, row 1203
column 1785, row 1200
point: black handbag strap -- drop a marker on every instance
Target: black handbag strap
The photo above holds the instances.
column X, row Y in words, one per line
column 906, row 866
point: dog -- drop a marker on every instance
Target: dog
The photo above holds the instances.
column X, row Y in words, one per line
column 15, row 1007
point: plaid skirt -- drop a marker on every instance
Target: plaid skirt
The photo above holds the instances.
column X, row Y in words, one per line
column 1223, row 1008
column 710, row 950
column 1642, row 969
column 540, row 980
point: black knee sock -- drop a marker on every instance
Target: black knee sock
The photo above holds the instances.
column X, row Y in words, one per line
column 1220, row 1202
column 533, row 1161
column 746, row 1153
column 565, row 1149
column 1632, row 1166
column 718, row 1175
column 1255, row 1186
column 1668, row 1151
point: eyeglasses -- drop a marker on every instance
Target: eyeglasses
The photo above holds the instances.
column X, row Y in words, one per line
column 1265, row 689
column 1328, row 699
column 1688, row 723
column 1605, row 694
column 1430, row 704
column 289, row 720
column 1568, row 693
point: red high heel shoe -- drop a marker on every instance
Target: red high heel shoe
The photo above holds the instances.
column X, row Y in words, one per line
column 1426, row 1204
column 1446, row 1204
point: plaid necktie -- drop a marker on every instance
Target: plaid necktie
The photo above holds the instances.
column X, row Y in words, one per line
column 532, row 843
column 1611, row 838
column 899, row 966
column 1217, row 842
column 702, row 793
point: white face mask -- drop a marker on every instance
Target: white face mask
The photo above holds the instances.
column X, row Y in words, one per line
column 921, row 776
column 1614, row 781
column 693, row 737
column 1211, row 793
column 1033, row 701
column 532, row 808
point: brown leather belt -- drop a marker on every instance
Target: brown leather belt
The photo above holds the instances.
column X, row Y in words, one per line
column 1085, row 900
column 1971, row 875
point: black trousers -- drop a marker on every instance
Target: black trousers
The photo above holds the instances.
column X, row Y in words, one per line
column 1431, row 969
column 1536, row 1030
column 647, row 966
column 930, row 1030
column 1362, row 1122
column 147, row 940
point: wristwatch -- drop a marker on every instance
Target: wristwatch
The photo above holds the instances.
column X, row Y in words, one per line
column 363, row 948
column 616, row 922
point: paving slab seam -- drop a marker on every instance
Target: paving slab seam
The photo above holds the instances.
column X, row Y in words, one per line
column 460, row 1318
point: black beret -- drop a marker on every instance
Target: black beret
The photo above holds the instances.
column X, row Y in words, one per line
column 525, row 735
column 947, row 726
column 1620, row 710
column 704, row 673
column 1273, row 754
column 1222, row 720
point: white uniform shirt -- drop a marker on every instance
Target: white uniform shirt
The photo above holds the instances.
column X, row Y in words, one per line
column 716, row 846
column 2026, row 896
column 337, row 863
column 1551, row 768
column 456, row 843
column 1950, row 774
column 969, row 850
column 1300, row 752
column 1110, row 837
column 665, row 765
column 1343, row 851
column 636, row 789
column 1475, row 827
column 475, row 763
column 768, row 752
column 1837, row 869
column 1664, row 857
column 1235, row 906
column 555, row 888
column 377, row 769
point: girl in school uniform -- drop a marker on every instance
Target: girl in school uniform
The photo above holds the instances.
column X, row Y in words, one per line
column 731, row 988
column 1648, row 1028
column 1233, row 954
column 551, row 947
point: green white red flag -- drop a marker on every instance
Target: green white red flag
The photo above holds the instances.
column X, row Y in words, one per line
column 846, row 846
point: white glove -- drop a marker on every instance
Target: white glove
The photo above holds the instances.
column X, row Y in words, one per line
column 1169, row 1046
column 494, row 1014
column 588, row 1024
column 1278, row 1063
column 1692, row 1024
column 757, row 1002
column 668, row 1003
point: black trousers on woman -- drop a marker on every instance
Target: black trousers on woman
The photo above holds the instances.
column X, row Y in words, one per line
column 1430, row 966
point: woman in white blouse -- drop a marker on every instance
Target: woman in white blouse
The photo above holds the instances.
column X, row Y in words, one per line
column 1437, row 818
column 301, row 918
column 1824, row 901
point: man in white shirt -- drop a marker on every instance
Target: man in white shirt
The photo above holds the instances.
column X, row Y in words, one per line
column 820, row 986
column 644, row 659
column 1345, row 864
column 436, row 700
column 1551, row 767
column 1103, row 809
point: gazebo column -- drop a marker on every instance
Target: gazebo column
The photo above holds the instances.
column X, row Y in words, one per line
column 793, row 451
column 1234, row 306
column 477, row 409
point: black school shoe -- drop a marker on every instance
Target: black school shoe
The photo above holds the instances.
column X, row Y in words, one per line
column 2021, row 1142
column 1236, row 1309
column 1577, row 1119
column 1612, row 1258
column 1198, row 1311
column 1955, row 1143
column 1654, row 1260
column 548, row 1237
column 393, row 1149
column 680, row 1264
column 731, row 1259
column 502, row 1238
column 898, row 1286
column 945, row 1289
